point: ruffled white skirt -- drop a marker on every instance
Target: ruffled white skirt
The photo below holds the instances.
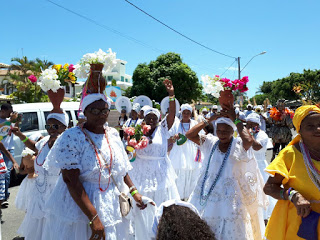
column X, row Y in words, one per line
column 154, row 178
column 24, row 194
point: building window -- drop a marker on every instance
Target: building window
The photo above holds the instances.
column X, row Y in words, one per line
column 122, row 63
column 68, row 88
column 122, row 79
column 109, row 78
column 126, row 79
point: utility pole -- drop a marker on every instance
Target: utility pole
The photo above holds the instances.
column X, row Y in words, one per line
column 239, row 71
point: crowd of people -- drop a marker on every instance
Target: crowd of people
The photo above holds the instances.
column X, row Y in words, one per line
column 202, row 175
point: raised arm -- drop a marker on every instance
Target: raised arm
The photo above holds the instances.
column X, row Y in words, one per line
column 172, row 102
column 28, row 142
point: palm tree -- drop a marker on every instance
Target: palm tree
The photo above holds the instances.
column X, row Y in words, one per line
column 40, row 65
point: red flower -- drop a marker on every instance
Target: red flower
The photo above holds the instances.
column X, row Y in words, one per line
column 71, row 68
column 129, row 131
column 245, row 79
column 146, row 129
column 32, row 78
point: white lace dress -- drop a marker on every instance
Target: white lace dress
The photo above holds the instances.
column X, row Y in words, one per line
column 152, row 172
column 73, row 151
column 24, row 194
column 34, row 221
column 183, row 159
column 262, row 138
column 233, row 209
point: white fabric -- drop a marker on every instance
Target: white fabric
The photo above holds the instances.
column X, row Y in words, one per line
column 131, row 122
column 214, row 107
column 136, row 107
column 204, row 110
column 183, row 160
column 36, row 136
column 81, row 116
column 91, row 98
column 26, row 152
column 152, row 172
column 263, row 125
column 260, row 156
column 34, row 221
column 72, row 151
column 61, row 117
column 159, row 212
column 186, row 107
column 145, row 107
column 253, row 117
column 152, row 110
column 227, row 121
column 24, row 194
column 232, row 209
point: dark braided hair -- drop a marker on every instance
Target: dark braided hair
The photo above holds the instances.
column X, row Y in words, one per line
column 181, row 223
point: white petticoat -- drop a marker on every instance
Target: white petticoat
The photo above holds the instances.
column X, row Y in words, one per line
column 24, row 193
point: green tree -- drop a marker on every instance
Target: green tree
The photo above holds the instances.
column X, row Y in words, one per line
column 147, row 79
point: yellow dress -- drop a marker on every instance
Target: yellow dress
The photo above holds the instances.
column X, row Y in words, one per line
column 284, row 222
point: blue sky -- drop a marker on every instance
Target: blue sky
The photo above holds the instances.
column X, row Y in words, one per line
column 287, row 30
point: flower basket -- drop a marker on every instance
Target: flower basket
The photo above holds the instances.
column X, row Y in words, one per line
column 226, row 98
column 56, row 99
column 96, row 83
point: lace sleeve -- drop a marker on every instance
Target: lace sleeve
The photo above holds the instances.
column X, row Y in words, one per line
column 66, row 152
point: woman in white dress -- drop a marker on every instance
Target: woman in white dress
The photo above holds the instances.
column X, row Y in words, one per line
column 85, row 202
column 260, row 148
column 34, row 221
column 186, row 158
column 152, row 171
column 229, row 191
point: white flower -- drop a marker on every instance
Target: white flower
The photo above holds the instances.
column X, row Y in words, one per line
column 48, row 80
column 212, row 86
column 26, row 152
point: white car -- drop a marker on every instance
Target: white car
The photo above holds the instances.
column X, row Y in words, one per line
column 34, row 119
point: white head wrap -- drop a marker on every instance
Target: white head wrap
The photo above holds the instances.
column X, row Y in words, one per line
column 249, row 105
column 145, row 107
column 204, row 110
column 136, row 107
column 61, row 117
column 269, row 106
column 152, row 110
column 186, row 107
column 237, row 110
column 214, row 107
column 254, row 117
column 35, row 137
column 227, row 121
column 159, row 211
column 90, row 98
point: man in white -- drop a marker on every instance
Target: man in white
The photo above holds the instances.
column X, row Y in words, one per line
column 249, row 109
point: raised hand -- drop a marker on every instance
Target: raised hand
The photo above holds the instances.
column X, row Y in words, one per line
column 169, row 87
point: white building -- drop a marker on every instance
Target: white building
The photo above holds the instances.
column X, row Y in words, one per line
column 72, row 91
column 118, row 73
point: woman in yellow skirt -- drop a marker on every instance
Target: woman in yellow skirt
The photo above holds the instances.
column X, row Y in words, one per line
column 295, row 181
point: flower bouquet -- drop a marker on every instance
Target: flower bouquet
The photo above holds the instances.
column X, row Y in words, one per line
column 222, row 87
column 276, row 115
column 93, row 66
column 136, row 136
column 52, row 81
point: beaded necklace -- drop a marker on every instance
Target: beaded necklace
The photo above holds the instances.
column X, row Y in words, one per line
column 135, row 123
column 45, row 182
column 97, row 151
column 204, row 197
column 39, row 155
column 183, row 130
column 313, row 172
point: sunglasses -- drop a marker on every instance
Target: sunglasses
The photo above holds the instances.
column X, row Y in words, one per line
column 96, row 111
column 53, row 126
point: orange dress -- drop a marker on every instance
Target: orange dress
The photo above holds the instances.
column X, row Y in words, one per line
column 284, row 222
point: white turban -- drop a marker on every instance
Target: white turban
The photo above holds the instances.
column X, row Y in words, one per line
column 61, row 117
column 214, row 107
column 186, row 107
column 152, row 110
column 169, row 203
column 204, row 110
column 253, row 117
column 136, row 107
column 35, row 137
column 237, row 110
column 93, row 97
column 145, row 107
column 227, row 121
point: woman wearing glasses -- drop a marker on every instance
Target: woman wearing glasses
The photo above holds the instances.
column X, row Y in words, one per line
column 34, row 221
column 94, row 166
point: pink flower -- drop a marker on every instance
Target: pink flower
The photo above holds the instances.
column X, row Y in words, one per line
column 245, row 79
column 133, row 143
column 32, row 78
column 129, row 131
column 244, row 89
column 146, row 129
column 143, row 143
column 71, row 68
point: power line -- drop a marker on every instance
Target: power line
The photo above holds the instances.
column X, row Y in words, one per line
column 176, row 31
column 228, row 68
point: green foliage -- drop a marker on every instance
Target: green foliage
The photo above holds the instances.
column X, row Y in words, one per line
column 147, row 79
column 259, row 98
column 308, row 82
column 114, row 82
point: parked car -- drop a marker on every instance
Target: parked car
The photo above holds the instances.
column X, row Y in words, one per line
column 34, row 117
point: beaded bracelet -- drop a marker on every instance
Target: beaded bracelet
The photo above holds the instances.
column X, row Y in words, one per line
column 237, row 121
column 171, row 99
column 24, row 140
column 90, row 223
column 289, row 190
column 134, row 193
column 131, row 188
column 292, row 193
